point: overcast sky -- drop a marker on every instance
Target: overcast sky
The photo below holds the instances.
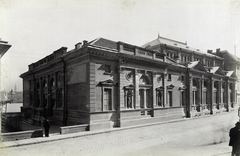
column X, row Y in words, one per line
column 36, row 28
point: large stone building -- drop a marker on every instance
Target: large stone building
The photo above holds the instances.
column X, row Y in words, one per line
column 231, row 63
column 4, row 46
column 107, row 84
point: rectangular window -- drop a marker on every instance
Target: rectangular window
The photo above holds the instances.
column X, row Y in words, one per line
column 170, row 98
column 182, row 78
column 169, row 77
column 141, row 98
column 159, row 98
column 107, row 99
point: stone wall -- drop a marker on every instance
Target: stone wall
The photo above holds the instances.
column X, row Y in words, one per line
column 74, row 129
column 11, row 122
column 21, row 135
column 77, row 94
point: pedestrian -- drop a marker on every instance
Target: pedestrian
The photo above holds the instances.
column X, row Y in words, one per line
column 46, row 125
column 234, row 135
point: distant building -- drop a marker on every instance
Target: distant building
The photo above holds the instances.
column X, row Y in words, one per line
column 231, row 63
column 107, row 84
column 15, row 97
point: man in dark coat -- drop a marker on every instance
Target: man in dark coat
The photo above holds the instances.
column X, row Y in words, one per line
column 234, row 135
column 46, row 125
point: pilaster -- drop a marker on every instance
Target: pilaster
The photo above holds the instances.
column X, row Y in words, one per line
column 136, row 89
column 40, row 93
column 153, row 92
column 203, row 98
column 211, row 98
column 220, row 94
column 189, row 98
column 200, row 94
column 164, row 81
column 227, row 95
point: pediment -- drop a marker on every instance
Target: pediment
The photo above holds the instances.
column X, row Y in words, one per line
column 219, row 71
column 196, row 65
column 231, row 74
column 108, row 82
column 171, row 86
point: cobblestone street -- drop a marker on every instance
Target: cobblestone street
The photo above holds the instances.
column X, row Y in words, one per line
column 202, row 136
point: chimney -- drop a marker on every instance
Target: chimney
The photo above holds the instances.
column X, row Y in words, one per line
column 78, row 45
column 85, row 42
column 209, row 51
column 218, row 50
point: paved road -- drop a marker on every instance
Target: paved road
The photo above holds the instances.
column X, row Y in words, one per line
column 205, row 136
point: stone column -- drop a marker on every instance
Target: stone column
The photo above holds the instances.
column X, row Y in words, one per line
column 154, row 55
column 199, row 94
column 121, row 76
column 222, row 94
column 192, row 56
column 202, row 93
column 179, row 55
column 194, row 97
column 153, row 92
column 211, row 100
column 219, row 94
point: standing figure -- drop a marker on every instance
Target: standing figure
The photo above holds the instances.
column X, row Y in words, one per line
column 234, row 135
column 46, row 125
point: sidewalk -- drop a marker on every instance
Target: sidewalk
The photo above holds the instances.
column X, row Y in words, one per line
column 54, row 136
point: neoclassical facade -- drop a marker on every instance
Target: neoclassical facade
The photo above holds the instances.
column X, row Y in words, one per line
column 108, row 84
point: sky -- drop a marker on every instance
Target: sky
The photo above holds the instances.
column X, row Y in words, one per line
column 36, row 28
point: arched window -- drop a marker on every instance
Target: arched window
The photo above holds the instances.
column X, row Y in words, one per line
column 144, row 80
column 44, row 84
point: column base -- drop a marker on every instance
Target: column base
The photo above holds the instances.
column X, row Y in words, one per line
column 206, row 111
column 216, row 111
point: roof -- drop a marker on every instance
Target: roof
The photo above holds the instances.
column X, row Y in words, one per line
column 102, row 42
column 196, row 65
column 4, row 46
column 234, row 57
column 178, row 44
column 192, row 64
